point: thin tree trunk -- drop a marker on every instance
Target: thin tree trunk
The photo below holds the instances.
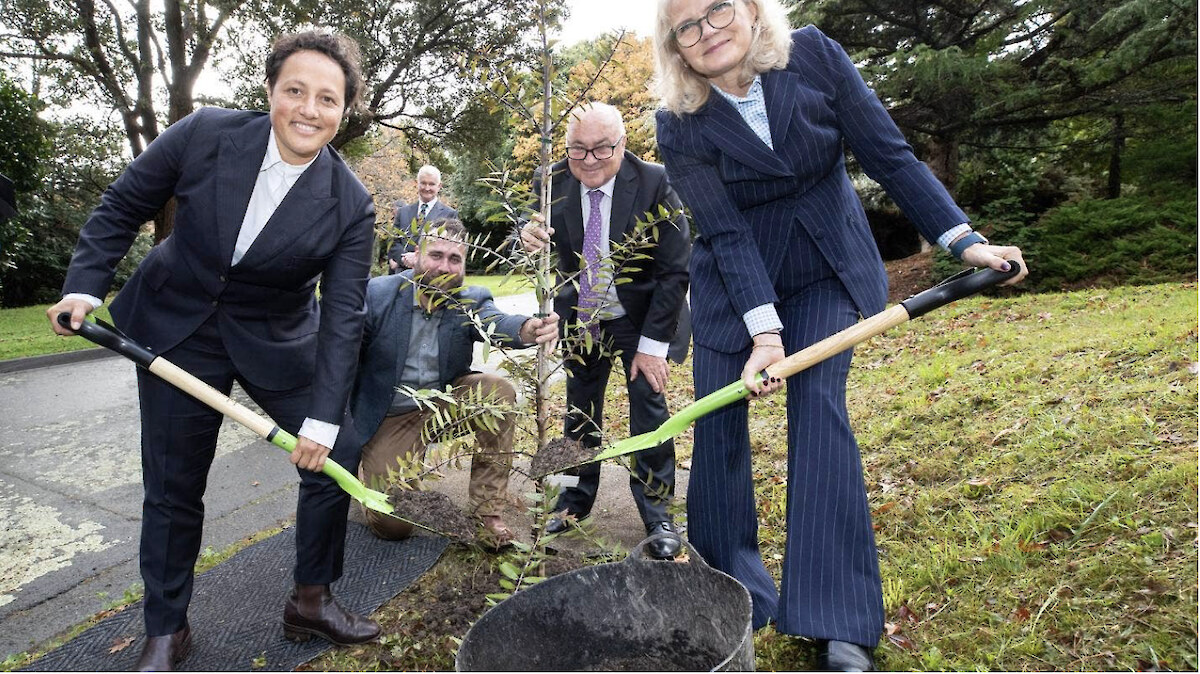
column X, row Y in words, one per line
column 1114, row 157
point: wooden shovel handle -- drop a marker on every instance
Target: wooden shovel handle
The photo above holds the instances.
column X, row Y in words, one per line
column 836, row 343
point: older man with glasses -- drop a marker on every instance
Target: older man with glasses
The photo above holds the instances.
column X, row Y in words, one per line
column 600, row 193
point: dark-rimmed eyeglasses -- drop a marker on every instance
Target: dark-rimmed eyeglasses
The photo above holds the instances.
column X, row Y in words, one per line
column 600, row 153
column 719, row 15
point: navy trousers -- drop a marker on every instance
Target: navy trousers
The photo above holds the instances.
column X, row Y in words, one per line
column 830, row 587
column 179, row 440
column 652, row 480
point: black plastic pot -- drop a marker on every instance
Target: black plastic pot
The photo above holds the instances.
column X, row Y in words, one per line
column 635, row 615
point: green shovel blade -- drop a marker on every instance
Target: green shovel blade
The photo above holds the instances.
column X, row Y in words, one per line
column 370, row 498
column 678, row 422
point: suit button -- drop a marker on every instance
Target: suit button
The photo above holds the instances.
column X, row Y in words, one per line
column 214, row 303
column 221, row 278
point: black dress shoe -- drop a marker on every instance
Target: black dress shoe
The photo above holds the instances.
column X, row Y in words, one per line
column 842, row 656
column 163, row 654
column 312, row 611
column 557, row 525
column 666, row 546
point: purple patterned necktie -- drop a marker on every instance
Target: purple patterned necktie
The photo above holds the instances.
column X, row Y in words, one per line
column 588, row 300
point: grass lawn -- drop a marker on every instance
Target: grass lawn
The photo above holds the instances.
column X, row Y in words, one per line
column 501, row 285
column 26, row 332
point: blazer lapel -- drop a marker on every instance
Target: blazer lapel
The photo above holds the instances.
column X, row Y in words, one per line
column 726, row 129
column 567, row 201
column 301, row 210
column 239, row 158
column 624, row 194
column 780, row 107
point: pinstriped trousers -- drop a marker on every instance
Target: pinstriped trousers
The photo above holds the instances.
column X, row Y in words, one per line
column 830, row 586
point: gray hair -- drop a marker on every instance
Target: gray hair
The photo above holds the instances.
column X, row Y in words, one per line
column 682, row 90
column 604, row 111
column 430, row 169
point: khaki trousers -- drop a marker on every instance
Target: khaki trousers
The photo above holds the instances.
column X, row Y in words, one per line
column 399, row 443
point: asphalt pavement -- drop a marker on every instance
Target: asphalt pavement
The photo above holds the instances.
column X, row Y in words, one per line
column 70, row 491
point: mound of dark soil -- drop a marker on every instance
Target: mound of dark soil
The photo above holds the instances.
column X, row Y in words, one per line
column 432, row 510
column 558, row 455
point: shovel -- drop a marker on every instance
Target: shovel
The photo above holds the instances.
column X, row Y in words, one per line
column 962, row 284
column 108, row 336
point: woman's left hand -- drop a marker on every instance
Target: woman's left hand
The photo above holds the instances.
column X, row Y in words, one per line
column 996, row 257
column 768, row 350
column 309, row 455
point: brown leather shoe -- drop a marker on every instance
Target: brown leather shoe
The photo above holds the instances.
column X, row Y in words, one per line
column 312, row 611
column 163, row 654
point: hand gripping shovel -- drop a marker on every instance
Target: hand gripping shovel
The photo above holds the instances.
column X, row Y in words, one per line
column 962, row 284
column 107, row 336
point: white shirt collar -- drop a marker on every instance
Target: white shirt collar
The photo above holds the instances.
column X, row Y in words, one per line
column 606, row 188
column 273, row 159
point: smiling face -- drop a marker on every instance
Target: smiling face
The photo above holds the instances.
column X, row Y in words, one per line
column 720, row 52
column 596, row 128
column 428, row 186
column 441, row 262
column 307, row 103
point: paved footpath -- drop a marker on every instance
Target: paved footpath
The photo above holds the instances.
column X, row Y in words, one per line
column 70, row 492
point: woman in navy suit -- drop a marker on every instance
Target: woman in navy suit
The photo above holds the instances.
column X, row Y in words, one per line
column 264, row 210
column 756, row 117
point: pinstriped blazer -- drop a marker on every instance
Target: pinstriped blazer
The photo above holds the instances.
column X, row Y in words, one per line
column 748, row 200
column 276, row 331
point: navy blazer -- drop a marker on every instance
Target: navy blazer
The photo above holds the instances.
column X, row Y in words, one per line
column 654, row 291
column 276, row 332
column 747, row 199
column 386, row 336
column 403, row 223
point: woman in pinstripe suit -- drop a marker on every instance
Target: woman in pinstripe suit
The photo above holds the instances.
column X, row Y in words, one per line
column 752, row 136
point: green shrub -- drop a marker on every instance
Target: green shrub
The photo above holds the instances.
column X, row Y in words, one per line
column 1134, row 240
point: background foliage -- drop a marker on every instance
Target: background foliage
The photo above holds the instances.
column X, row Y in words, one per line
column 1028, row 110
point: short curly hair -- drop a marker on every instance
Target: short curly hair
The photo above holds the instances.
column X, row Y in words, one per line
column 341, row 49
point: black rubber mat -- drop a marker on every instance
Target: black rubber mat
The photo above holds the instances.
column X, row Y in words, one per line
column 237, row 606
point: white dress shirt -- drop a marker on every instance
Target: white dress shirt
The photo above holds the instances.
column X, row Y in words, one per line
column 611, row 306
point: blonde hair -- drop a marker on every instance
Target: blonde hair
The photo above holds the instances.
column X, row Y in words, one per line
column 683, row 90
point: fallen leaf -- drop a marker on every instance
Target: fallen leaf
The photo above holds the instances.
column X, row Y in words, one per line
column 1044, row 316
column 884, row 508
column 979, row 481
column 1021, row 614
column 904, row 613
column 1058, row 534
column 120, row 645
column 891, row 628
column 903, row 642
column 255, row 483
column 1031, row 547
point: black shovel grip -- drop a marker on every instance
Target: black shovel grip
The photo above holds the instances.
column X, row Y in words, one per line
column 963, row 284
column 109, row 339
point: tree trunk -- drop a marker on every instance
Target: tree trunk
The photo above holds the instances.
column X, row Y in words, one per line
column 943, row 161
column 1114, row 157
